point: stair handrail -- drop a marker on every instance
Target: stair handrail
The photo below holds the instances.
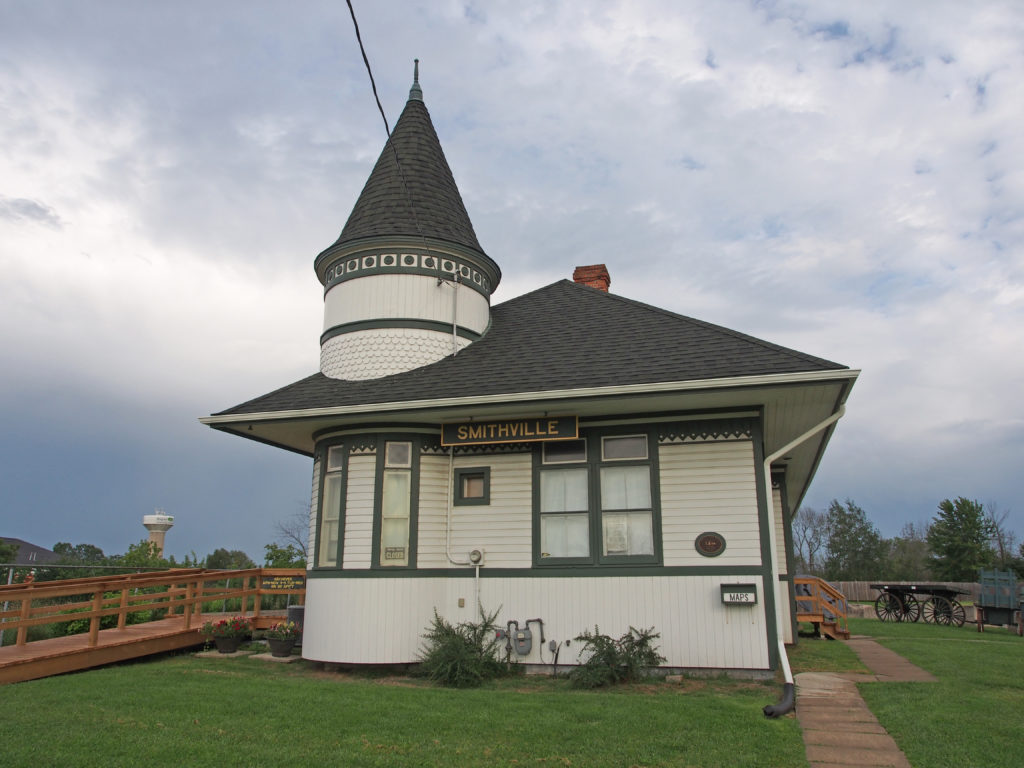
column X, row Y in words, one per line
column 823, row 595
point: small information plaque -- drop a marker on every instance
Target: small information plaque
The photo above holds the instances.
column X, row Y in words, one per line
column 739, row 594
column 282, row 583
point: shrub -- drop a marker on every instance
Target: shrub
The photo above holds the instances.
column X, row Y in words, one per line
column 616, row 661
column 461, row 655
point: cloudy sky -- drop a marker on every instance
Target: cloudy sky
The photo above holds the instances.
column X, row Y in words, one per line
column 843, row 178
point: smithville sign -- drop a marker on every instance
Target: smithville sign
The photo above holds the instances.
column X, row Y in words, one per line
column 511, row 431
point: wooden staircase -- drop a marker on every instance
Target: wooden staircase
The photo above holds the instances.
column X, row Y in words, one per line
column 821, row 604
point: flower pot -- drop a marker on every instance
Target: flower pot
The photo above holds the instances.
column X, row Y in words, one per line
column 281, row 647
column 227, row 644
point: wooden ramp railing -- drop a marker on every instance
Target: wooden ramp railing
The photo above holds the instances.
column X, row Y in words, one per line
column 145, row 613
column 821, row 604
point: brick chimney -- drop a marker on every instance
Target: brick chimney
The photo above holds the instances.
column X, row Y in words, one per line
column 596, row 276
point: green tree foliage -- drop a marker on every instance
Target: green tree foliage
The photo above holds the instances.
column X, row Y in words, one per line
column 143, row 556
column 8, row 551
column 277, row 556
column 854, row 547
column 959, row 540
column 234, row 559
column 907, row 555
column 79, row 554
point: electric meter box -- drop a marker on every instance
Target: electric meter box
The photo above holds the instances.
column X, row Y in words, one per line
column 523, row 641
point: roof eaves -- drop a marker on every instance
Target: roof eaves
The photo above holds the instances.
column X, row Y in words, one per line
column 736, row 382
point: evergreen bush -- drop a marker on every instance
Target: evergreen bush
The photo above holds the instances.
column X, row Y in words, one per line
column 613, row 661
column 461, row 655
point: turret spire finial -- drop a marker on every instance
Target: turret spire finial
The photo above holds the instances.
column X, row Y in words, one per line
column 416, row 93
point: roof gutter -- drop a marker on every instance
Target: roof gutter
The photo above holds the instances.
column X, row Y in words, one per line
column 536, row 397
column 788, row 701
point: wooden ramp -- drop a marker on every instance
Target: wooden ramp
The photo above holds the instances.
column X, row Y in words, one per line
column 181, row 595
column 72, row 653
column 821, row 604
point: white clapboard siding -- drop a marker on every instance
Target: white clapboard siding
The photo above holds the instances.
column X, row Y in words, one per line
column 503, row 528
column 430, row 547
column 403, row 296
column 780, row 548
column 359, row 512
column 383, row 619
column 709, row 486
column 780, row 530
column 314, row 506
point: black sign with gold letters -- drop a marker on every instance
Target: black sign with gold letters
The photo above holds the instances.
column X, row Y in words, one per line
column 510, row 430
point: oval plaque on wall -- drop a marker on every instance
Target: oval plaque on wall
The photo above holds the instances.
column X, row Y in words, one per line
column 710, row 544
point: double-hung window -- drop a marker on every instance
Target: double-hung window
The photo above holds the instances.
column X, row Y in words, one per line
column 396, row 504
column 330, row 512
column 595, row 503
column 627, row 520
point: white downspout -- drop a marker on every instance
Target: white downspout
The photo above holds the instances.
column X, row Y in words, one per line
column 448, row 512
column 778, row 709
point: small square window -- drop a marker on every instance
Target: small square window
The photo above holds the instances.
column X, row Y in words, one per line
column 626, row 447
column 335, row 458
column 472, row 486
column 565, row 451
column 398, row 455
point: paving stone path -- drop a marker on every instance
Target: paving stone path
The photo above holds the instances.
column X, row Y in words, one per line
column 839, row 729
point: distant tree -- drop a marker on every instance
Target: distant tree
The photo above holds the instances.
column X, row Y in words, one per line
column 283, row 557
column 809, row 536
column 853, row 551
column 1003, row 540
column 907, row 554
column 79, row 554
column 294, row 530
column 234, row 559
column 143, row 555
column 959, row 540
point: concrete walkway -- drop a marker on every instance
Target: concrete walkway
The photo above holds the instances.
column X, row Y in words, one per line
column 839, row 729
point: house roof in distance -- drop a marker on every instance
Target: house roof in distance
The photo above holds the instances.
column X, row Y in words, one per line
column 564, row 336
column 30, row 554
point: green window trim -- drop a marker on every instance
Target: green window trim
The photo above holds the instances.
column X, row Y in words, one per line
column 595, row 515
column 412, row 471
column 463, row 495
column 329, row 473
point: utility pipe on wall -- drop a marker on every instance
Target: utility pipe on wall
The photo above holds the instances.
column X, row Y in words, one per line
column 788, row 700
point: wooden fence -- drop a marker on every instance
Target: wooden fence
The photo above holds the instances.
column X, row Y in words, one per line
column 178, row 592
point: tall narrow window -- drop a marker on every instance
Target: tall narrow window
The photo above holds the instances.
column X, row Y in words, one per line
column 626, row 514
column 330, row 507
column 564, row 502
column 396, row 499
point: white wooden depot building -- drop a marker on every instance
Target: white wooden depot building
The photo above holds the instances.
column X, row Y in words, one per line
column 570, row 455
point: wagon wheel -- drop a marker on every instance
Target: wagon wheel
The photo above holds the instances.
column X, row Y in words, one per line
column 889, row 607
column 938, row 610
column 911, row 608
column 957, row 615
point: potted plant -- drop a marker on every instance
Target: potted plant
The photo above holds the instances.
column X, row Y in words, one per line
column 282, row 637
column 228, row 634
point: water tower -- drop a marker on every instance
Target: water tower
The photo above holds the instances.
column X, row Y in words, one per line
column 158, row 524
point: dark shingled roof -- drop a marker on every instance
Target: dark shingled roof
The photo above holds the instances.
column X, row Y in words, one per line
column 382, row 209
column 562, row 336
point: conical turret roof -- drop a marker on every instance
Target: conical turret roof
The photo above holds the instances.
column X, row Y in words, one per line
column 383, row 208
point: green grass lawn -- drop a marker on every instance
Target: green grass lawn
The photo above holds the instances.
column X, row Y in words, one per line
column 187, row 711
column 974, row 715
